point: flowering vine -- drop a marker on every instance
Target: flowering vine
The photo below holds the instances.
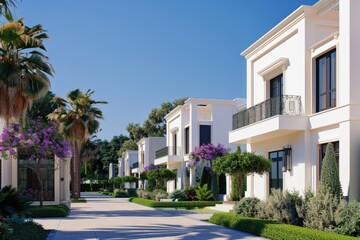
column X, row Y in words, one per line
column 206, row 152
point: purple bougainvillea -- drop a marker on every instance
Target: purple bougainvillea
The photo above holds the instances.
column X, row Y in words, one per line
column 35, row 142
column 206, row 152
column 150, row 167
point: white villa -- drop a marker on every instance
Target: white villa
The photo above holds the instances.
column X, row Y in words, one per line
column 56, row 179
column 302, row 93
column 197, row 122
column 128, row 166
column 147, row 148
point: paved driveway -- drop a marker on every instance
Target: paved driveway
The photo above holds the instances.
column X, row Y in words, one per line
column 104, row 217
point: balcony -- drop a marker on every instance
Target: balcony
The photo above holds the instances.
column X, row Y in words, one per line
column 168, row 154
column 282, row 105
column 272, row 118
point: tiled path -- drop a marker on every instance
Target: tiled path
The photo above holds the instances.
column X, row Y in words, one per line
column 104, row 217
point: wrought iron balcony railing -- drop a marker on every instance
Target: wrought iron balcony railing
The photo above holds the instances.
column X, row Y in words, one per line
column 281, row 105
column 171, row 151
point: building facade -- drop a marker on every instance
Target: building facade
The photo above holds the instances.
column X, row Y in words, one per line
column 197, row 122
column 302, row 93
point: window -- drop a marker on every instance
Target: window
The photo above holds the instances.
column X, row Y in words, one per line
column 276, row 174
column 326, row 81
column 205, row 134
column 28, row 184
column 187, row 140
column 322, row 155
column 174, row 144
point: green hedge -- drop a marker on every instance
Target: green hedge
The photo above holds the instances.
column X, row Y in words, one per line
column 272, row 230
column 85, row 187
column 28, row 230
column 180, row 204
column 48, row 211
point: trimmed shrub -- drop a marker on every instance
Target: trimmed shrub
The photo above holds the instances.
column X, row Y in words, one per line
column 321, row 210
column 235, row 194
column 48, row 211
column 129, row 179
column 247, row 207
column 280, row 206
column 273, row 230
column 178, row 194
column 347, row 218
column 330, row 173
column 161, row 195
column 155, row 192
column 184, row 204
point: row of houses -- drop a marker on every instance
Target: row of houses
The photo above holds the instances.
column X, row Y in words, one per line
column 302, row 93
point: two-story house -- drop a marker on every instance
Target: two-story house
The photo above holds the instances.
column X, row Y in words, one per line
column 129, row 163
column 302, row 93
column 197, row 122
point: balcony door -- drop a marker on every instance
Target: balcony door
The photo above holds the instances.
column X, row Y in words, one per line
column 276, row 92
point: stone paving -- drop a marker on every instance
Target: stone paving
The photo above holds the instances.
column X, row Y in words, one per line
column 104, row 217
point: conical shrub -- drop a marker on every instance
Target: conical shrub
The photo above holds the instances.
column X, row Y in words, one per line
column 329, row 172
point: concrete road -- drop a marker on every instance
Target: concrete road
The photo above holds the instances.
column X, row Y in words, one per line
column 104, row 217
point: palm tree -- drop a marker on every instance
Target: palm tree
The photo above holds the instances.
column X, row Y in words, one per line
column 24, row 69
column 78, row 120
column 5, row 6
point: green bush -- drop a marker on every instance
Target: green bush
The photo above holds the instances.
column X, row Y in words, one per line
column 281, row 206
column 11, row 202
column 184, row 204
column 131, row 192
column 178, row 194
column 28, row 230
column 190, row 194
column 155, row 192
column 129, row 179
column 203, row 193
column 161, row 195
column 5, row 231
column 273, row 230
column 247, row 207
column 347, row 218
column 235, row 194
column 48, row 211
column 321, row 210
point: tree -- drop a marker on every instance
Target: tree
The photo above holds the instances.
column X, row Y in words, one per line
column 154, row 125
column 5, row 6
column 36, row 142
column 42, row 107
column 329, row 172
column 110, row 155
column 239, row 165
column 24, row 69
column 127, row 145
column 161, row 175
column 78, row 119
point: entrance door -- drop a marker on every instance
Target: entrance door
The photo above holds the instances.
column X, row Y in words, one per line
column 276, row 174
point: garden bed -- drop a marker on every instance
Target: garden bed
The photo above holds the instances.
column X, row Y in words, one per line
column 273, row 230
column 179, row 204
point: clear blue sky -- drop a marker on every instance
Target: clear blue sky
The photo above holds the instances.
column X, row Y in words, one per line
column 138, row 54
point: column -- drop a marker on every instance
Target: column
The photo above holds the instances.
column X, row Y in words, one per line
column 192, row 177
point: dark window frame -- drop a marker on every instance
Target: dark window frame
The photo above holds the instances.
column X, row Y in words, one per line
column 202, row 134
column 277, row 159
column 187, row 140
column 328, row 80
